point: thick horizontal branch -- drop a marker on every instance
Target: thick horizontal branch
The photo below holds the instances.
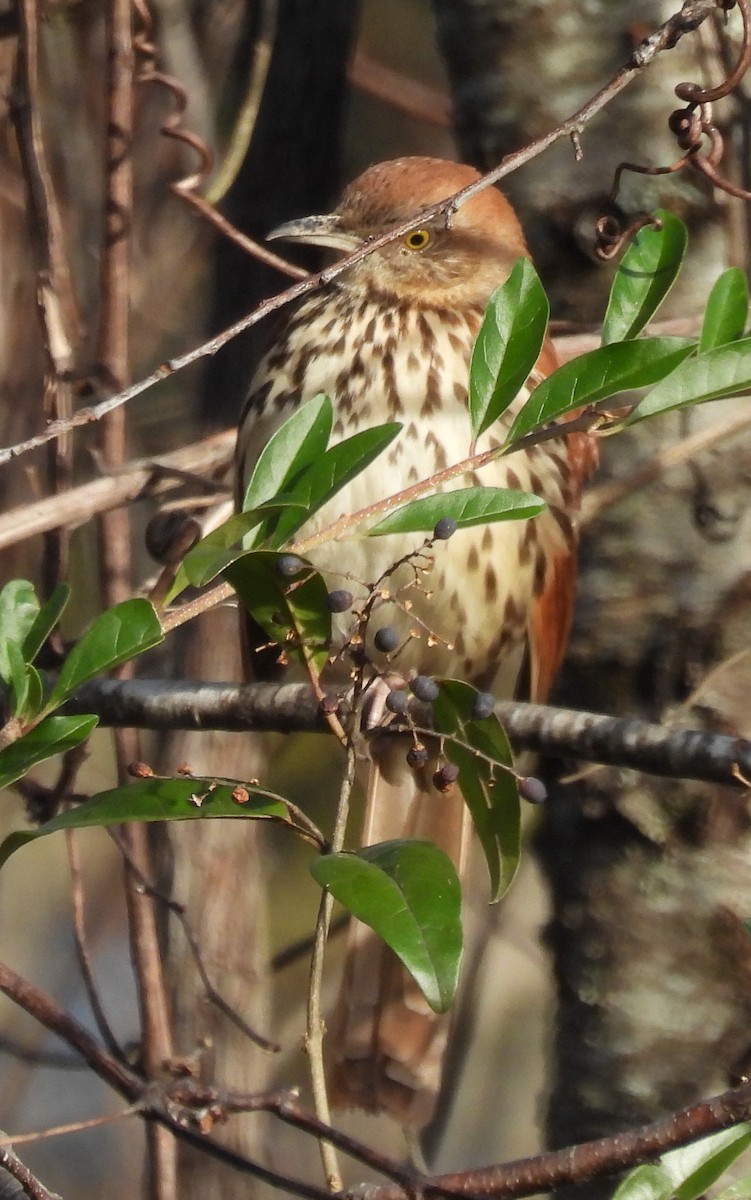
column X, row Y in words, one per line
column 292, row 708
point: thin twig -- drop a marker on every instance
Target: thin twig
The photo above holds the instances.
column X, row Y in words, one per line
column 115, row 544
column 601, row 498
column 41, row 1135
column 135, row 480
column 32, row 1186
column 315, row 1024
column 56, row 302
column 212, row 993
column 523, row 1177
column 245, row 121
column 410, row 96
column 81, row 944
column 302, row 947
column 692, row 14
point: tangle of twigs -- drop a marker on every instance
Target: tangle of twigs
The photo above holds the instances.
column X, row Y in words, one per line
column 689, row 126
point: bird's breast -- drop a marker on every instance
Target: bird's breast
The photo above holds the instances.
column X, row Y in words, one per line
column 461, row 606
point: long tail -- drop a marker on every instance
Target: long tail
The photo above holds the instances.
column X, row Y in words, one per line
column 387, row 1045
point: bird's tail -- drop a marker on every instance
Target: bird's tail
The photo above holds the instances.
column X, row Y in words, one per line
column 387, row 1045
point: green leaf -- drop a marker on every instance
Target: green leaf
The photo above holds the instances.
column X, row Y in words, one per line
column 209, row 557
column 490, row 792
column 740, row 1190
column 45, row 621
column 283, row 606
column 33, row 701
column 508, row 345
column 711, row 376
column 598, row 375
column 18, row 610
column 646, row 273
column 647, row 1182
column 467, row 506
column 117, row 635
column 19, row 678
column 298, row 442
column 54, row 735
column 408, row 892
column 153, row 800
column 727, row 310
column 219, row 549
column 695, row 1168
column 327, row 476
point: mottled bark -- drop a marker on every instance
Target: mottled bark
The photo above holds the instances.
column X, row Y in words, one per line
column 649, row 880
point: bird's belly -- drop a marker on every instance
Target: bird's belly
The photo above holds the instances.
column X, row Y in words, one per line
column 460, row 606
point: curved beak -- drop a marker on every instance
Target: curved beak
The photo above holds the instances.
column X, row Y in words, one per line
column 317, row 231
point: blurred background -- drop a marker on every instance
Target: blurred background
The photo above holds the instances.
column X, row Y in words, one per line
column 644, row 939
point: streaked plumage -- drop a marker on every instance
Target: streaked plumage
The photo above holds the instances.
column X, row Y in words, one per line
column 391, row 340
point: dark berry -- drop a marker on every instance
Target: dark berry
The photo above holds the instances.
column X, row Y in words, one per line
column 425, row 688
column 417, row 756
column 289, row 565
column 445, row 777
column 386, row 639
column 483, row 706
column 445, row 528
column 398, row 702
column 339, row 600
column 533, row 790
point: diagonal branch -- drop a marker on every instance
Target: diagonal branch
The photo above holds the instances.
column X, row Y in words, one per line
column 690, row 17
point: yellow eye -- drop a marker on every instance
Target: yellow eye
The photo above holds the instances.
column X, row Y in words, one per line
column 418, row 239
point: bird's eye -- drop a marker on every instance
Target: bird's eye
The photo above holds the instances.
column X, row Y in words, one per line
column 418, row 239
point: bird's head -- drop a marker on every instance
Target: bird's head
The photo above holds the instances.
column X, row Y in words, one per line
column 459, row 263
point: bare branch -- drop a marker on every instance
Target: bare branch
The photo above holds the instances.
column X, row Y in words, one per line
column 28, row 1184
column 291, row 707
column 136, row 480
column 173, row 1107
column 691, row 16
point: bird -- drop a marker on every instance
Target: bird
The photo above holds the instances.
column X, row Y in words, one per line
column 390, row 339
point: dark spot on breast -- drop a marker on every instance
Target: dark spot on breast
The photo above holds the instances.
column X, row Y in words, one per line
column 432, row 399
column 527, row 543
column 439, row 454
column 426, row 333
column 563, row 521
column 512, row 479
column 487, row 539
column 511, row 614
column 283, row 399
column 540, row 572
column 473, row 560
column 491, row 584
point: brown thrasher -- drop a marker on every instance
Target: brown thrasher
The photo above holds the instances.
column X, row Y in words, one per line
column 391, row 339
